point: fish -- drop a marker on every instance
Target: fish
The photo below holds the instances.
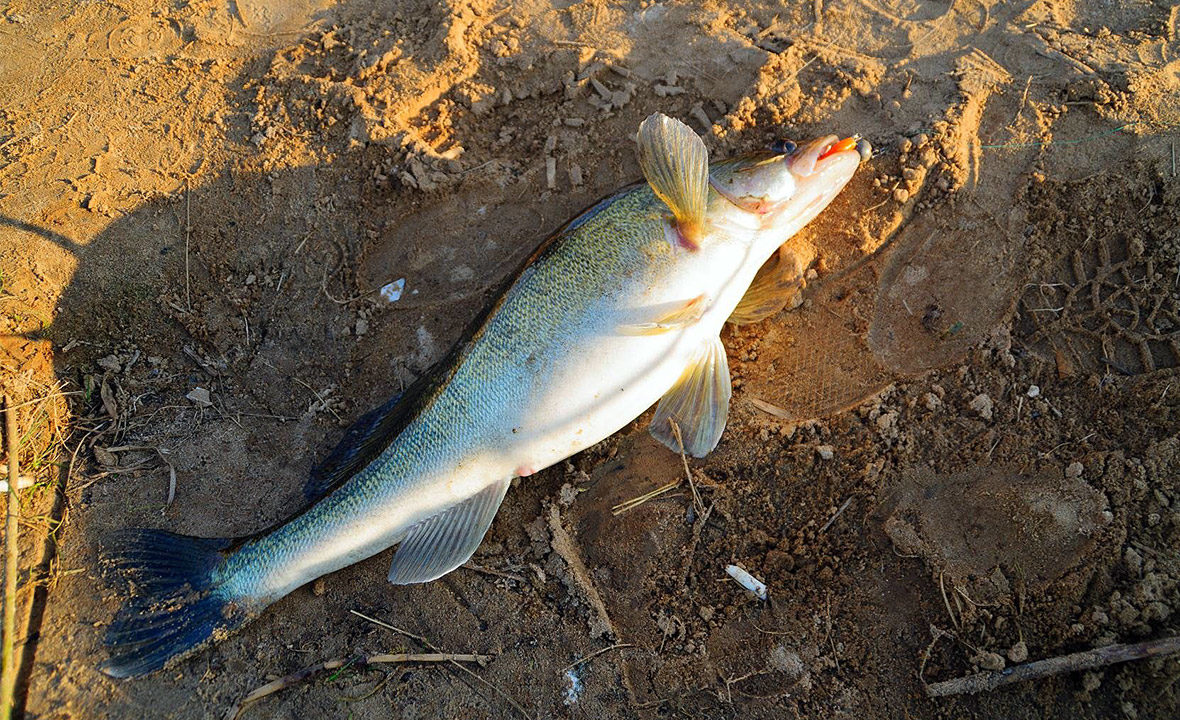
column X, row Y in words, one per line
column 620, row 309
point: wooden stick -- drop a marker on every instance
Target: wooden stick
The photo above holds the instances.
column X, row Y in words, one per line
column 7, row 666
column 356, row 661
column 1085, row 660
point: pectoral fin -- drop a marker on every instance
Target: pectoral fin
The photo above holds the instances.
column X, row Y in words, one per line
column 776, row 283
column 675, row 163
column 676, row 319
column 439, row 544
column 698, row 402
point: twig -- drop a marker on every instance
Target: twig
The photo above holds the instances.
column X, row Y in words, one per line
column 356, row 661
column 1085, row 660
column 323, row 402
column 839, row 512
column 596, row 653
column 188, row 233
column 507, row 698
column 7, row 666
column 696, row 498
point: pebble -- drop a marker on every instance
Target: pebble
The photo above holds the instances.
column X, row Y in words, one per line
column 987, row 660
column 319, row 587
column 901, row 195
column 826, row 452
column 200, row 396
column 982, row 404
column 1074, row 470
column 1033, row 391
column 1018, row 653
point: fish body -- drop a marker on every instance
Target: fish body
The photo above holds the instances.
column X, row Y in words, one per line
column 620, row 308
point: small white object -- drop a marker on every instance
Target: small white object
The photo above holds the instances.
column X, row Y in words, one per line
column 22, row 482
column 1033, row 391
column 392, row 292
column 573, row 690
column 752, row 584
column 826, row 452
column 200, row 396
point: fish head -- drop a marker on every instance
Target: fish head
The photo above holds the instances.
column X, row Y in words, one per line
column 790, row 181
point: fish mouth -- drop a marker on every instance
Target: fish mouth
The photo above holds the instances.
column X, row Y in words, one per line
column 824, row 150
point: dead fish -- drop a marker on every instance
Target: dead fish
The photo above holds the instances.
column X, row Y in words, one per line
column 620, row 309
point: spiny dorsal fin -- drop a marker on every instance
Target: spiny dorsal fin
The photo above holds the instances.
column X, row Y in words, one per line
column 676, row 164
column 777, row 281
column 698, row 402
column 441, row 543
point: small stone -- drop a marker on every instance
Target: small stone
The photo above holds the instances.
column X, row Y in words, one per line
column 901, row 195
column 1033, row 391
column 110, row 362
column 105, row 457
column 1074, row 470
column 826, row 452
column 982, row 404
column 987, row 660
column 1018, row 653
column 200, row 397
column 362, row 326
column 706, row 612
column 932, row 402
column 319, row 587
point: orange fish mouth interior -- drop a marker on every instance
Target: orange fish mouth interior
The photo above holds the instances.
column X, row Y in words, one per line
column 838, row 146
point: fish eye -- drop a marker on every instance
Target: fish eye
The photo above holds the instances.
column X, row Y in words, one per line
column 783, row 147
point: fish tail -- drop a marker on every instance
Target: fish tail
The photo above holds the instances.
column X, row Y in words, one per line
column 178, row 599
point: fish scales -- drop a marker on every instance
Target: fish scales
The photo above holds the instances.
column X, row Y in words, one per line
column 621, row 308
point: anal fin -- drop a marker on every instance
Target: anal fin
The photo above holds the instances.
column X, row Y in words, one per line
column 698, row 403
column 778, row 281
column 441, row 543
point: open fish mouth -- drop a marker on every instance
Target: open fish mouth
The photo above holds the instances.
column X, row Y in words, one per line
column 817, row 151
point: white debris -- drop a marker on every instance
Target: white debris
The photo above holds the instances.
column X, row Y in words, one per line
column 1033, row 391
column 755, row 586
column 22, row 482
column 200, row 396
column 392, row 292
column 826, row 452
column 573, row 690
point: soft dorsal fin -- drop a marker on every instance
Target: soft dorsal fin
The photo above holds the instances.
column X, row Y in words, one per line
column 676, row 164
column 441, row 543
column 363, row 441
column 777, row 281
column 698, row 402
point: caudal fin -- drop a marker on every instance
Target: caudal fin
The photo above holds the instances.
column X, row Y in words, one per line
column 177, row 603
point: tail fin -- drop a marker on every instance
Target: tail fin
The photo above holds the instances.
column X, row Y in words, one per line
column 177, row 603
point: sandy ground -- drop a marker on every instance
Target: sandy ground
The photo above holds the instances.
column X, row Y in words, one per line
column 960, row 451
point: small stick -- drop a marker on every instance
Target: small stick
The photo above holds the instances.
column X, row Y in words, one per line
column 839, row 512
column 1085, row 660
column 11, row 528
column 596, row 653
column 507, row 698
column 698, row 505
column 188, row 232
column 636, row 502
column 357, row 661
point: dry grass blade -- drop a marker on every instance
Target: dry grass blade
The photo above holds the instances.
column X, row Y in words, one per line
column 596, row 653
column 774, row 410
column 636, row 502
